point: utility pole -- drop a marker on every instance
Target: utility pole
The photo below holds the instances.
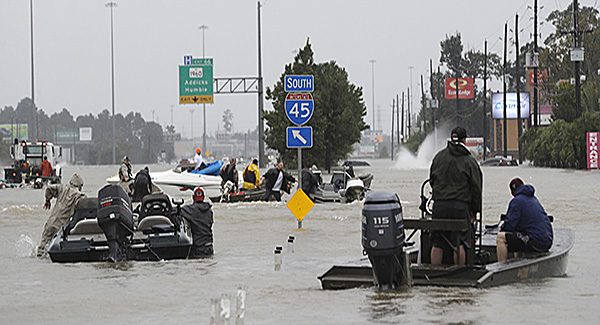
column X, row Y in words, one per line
column 392, row 143
column 203, row 28
column 408, row 111
column 535, row 67
column 432, row 94
column 518, row 75
column 504, row 92
column 398, row 119
column 410, row 105
column 261, row 127
column 484, row 97
column 32, row 74
column 111, row 5
column 402, row 127
column 458, row 117
column 423, row 106
column 373, row 89
column 577, row 46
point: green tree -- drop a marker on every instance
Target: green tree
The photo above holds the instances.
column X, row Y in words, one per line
column 338, row 117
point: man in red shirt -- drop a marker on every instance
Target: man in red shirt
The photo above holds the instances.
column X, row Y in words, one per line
column 46, row 168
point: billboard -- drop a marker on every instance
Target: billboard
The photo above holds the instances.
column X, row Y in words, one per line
column 511, row 105
column 465, row 88
column 85, row 134
column 9, row 132
column 592, row 150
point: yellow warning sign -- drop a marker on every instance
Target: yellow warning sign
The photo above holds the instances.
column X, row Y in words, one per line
column 196, row 99
column 300, row 204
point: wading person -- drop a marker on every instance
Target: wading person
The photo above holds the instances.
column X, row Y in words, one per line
column 67, row 196
column 125, row 174
column 200, row 217
column 251, row 176
column 230, row 173
column 526, row 228
column 277, row 180
column 46, row 168
column 309, row 181
column 456, row 183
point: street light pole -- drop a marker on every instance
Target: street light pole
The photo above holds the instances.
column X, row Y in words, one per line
column 112, row 65
column 203, row 28
column 261, row 128
column 32, row 74
column 373, row 89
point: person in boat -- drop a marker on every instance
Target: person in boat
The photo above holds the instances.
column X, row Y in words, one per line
column 198, row 160
column 200, row 217
column 230, row 173
column 309, row 181
column 251, row 176
column 67, row 196
column 456, row 182
column 125, row 174
column 142, row 185
column 526, row 228
column 46, row 168
column 277, row 180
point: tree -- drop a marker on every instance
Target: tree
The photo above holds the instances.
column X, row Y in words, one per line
column 338, row 117
column 228, row 120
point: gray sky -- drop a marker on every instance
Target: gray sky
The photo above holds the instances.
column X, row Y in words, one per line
column 72, row 49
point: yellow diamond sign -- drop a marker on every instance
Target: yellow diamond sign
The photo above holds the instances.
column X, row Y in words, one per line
column 300, row 204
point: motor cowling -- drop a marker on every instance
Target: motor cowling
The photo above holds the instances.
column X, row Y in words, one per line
column 383, row 239
column 116, row 220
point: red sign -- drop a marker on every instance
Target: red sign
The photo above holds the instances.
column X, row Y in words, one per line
column 592, row 150
column 541, row 77
column 465, row 88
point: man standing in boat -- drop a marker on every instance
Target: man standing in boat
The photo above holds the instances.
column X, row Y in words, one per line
column 67, row 196
column 200, row 217
column 456, row 182
column 230, row 173
column 125, row 174
column 526, row 228
column 251, row 176
column 277, row 180
column 198, row 160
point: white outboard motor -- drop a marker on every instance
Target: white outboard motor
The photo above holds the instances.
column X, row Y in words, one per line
column 383, row 239
column 116, row 220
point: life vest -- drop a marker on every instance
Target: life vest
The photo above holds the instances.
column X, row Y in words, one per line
column 249, row 177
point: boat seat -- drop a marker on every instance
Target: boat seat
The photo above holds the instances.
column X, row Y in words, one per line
column 86, row 227
column 155, row 204
column 150, row 221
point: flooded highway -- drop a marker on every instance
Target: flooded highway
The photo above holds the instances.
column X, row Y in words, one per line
column 180, row 291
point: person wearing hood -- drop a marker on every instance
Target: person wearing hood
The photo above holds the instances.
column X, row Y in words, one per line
column 456, row 182
column 125, row 174
column 67, row 196
column 200, row 217
column 527, row 227
column 230, row 173
column 142, row 185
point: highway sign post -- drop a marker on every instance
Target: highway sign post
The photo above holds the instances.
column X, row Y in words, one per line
column 196, row 81
column 300, row 205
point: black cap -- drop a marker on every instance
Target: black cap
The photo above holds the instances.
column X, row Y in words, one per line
column 255, row 161
column 458, row 133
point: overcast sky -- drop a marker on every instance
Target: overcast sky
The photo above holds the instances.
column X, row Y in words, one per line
column 72, row 49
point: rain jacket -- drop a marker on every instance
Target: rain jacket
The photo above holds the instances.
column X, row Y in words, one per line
column 251, row 177
column 527, row 216
column 200, row 217
column 455, row 175
column 142, row 185
column 309, row 181
column 125, row 176
column 271, row 178
column 230, row 173
column 67, row 197
column 46, row 168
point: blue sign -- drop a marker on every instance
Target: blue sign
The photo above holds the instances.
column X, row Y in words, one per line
column 187, row 60
column 299, row 107
column 299, row 137
column 302, row 83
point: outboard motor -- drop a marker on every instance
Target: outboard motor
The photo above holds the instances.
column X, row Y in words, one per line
column 116, row 220
column 383, row 239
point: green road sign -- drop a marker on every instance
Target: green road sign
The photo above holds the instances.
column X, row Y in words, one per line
column 196, row 82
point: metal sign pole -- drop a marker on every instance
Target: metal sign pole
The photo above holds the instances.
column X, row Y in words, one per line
column 299, row 177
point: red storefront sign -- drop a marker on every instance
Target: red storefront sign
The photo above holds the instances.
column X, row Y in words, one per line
column 592, row 150
column 541, row 77
column 465, row 88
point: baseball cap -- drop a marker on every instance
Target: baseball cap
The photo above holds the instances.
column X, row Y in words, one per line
column 458, row 133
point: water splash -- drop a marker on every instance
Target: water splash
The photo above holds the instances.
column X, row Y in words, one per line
column 25, row 246
column 433, row 143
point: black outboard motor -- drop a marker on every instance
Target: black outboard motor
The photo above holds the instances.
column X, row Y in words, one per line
column 116, row 220
column 383, row 239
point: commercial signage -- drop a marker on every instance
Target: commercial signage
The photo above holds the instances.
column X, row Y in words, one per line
column 541, row 77
column 299, row 137
column 592, row 150
column 465, row 88
column 299, row 107
column 196, row 81
column 299, row 83
column 9, row 132
column 85, row 134
column 511, row 105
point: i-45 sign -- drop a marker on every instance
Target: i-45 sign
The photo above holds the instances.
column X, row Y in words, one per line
column 299, row 107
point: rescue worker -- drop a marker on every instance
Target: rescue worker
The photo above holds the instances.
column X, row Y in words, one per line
column 67, row 196
column 527, row 227
column 277, row 180
column 251, row 176
column 200, row 217
column 456, row 183
column 198, row 160
column 142, row 185
column 125, row 174
column 309, row 181
column 230, row 173
column 46, row 168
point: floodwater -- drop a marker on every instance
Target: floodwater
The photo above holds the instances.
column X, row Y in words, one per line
column 37, row 291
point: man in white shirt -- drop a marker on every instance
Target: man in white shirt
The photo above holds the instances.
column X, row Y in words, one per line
column 198, row 160
column 277, row 180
